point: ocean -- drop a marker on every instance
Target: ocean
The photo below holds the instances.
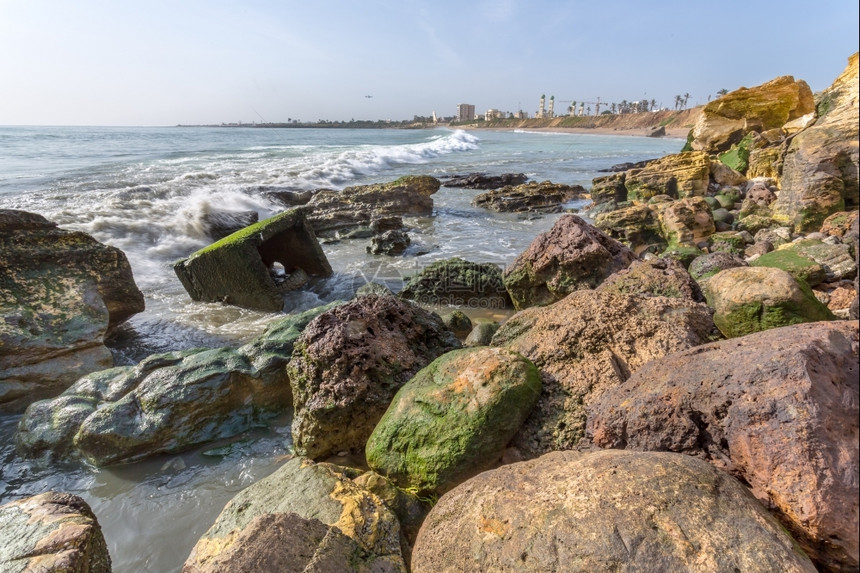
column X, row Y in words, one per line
column 147, row 192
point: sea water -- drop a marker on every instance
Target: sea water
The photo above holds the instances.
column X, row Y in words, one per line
column 147, row 191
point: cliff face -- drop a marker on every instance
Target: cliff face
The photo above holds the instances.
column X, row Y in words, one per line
column 645, row 120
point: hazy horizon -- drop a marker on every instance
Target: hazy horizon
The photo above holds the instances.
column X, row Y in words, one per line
column 99, row 63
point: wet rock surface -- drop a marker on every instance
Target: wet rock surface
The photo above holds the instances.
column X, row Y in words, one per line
column 544, row 197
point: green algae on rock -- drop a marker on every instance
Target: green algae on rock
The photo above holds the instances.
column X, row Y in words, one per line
column 453, row 418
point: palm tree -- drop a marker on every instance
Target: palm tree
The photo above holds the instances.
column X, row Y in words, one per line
column 686, row 97
column 678, row 101
column 722, row 92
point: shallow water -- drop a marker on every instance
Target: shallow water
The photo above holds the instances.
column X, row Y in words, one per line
column 145, row 190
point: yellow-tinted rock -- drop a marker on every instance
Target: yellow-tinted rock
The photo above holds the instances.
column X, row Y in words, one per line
column 678, row 175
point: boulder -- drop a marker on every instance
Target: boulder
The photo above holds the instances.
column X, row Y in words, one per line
column 61, row 292
column 458, row 322
column 726, row 120
column 609, row 188
column 705, row 266
column 51, row 532
column 241, row 268
column 457, row 282
column 680, row 175
column 484, row 181
column 544, row 197
column 590, row 341
column 657, row 131
column 654, row 277
column 776, row 409
column 637, row 226
column 842, row 225
column 482, row 334
column 168, row 402
column 722, row 174
column 453, row 419
column 730, row 242
column 686, row 221
column 330, row 212
column 752, row 299
column 391, row 243
column 820, row 166
column 604, row 511
column 573, row 255
column 812, row 261
column 348, row 364
column 303, row 517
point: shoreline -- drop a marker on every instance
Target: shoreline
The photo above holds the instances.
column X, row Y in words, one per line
column 671, row 133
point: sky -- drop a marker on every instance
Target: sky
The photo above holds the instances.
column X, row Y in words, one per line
column 169, row 62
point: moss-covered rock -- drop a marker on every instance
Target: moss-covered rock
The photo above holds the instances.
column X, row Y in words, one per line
column 686, row 221
column 835, row 260
column 457, row 282
column 726, row 120
column 678, row 176
column 454, row 418
column 753, row 299
column 737, row 157
column 239, row 269
column 637, row 226
column 543, row 197
column 727, row 242
column 654, row 277
column 797, row 265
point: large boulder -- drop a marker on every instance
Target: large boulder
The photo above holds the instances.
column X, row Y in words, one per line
column 726, row 120
column 752, row 299
column 604, row 511
column 358, row 206
column 637, row 226
column 544, row 197
column 454, row 418
column 820, row 167
column 304, row 517
column 348, row 364
column 588, row 342
column 705, row 266
column 609, row 188
column 52, row 532
column 686, row 221
column 777, row 409
column 241, row 268
column 654, row 277
column 457, row 282
column 168, row 402
column 573, row 255
column 60, row 294
column 679, row 175
column 812, row 260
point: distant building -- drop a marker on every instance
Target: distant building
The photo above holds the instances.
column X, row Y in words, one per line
column 465, row 112
column 494, row 114
column 521, row 115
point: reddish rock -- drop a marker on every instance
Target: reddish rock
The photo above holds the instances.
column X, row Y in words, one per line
column 655, row 277
column 604, row 511
column 587, row 343
column 571, row 256
column 348, row 364
column 777, row 409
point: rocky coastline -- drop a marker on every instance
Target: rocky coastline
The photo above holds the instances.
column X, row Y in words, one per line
column 677, row 389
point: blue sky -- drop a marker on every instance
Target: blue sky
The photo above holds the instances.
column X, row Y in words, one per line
column 160, row 62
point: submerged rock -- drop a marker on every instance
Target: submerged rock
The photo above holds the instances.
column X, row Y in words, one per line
column 348, row 364
column 330, row 212
column 303, row 517
column 544, row 197
column 392, row 243
column 571, row 256
column 752, row 299
column 588, row 342
column 453, row 418
column 604, row 511
column 484, row 181
column 51, row 532
column 60, row 294
column 457, row 282
column 776, row 409
column 168, row 402
column 240, row 269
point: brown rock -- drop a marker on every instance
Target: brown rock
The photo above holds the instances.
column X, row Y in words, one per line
column 636, row 226
column 680, row 175
column 544, row 197
column 52, row 533
column 687, row 221
column 777, row 409
column 654, row 277
column 604, row 511
column 726, row 120
column 820, row 168
column 588, row 342
column 573, row 255
column 348, row 364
